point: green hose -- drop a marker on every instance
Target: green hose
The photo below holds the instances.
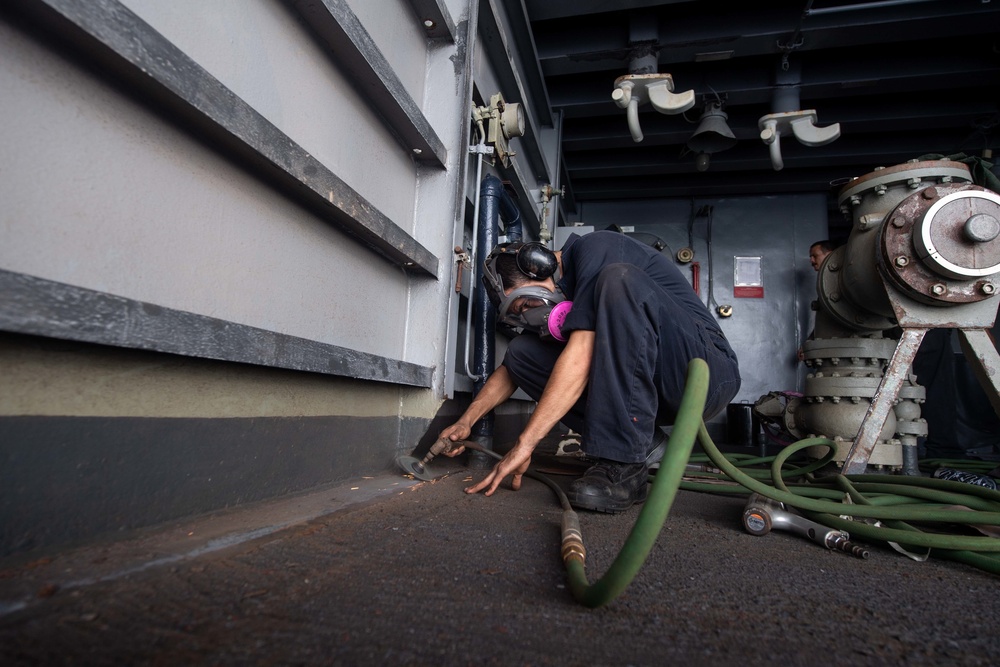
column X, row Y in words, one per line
column 883, row 503
column 938, row 490
column 650, row 520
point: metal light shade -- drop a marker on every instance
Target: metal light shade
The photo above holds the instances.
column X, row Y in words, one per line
column 713, row 134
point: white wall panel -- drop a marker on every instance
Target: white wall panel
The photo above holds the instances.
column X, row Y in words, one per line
column 261, row 51
column 400, row 37
column 101, row 193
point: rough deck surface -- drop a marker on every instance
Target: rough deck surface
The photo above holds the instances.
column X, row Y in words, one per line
column 389, row 570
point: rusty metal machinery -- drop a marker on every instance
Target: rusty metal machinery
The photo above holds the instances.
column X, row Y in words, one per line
column 923, row 253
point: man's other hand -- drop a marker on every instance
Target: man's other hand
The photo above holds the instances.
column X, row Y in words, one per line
column 516, row 462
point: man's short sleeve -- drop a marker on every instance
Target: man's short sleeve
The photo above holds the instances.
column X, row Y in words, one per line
column 582, row 263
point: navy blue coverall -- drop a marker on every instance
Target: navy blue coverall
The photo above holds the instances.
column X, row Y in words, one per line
column 648, row 324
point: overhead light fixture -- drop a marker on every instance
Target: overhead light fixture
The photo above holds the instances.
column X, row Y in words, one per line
column 713, row 134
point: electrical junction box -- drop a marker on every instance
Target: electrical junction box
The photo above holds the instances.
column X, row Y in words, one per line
column 748, row 278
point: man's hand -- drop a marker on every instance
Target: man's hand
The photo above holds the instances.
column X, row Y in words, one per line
column 565, row 386
column 455, row 432
column 498, row 388
column 516, row 461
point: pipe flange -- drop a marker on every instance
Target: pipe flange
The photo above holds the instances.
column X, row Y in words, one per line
column 913, row 392
column 924, row 246
column 917, row 428
column 910, row 175
column 957, row 236
column 839, row 387
column 850, row 348
column 789, row 417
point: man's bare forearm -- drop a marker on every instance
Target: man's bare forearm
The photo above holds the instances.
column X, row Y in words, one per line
column 498, row 388
column 564, row 388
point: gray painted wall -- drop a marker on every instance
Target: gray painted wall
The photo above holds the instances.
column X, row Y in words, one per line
column 111, row 196
column 121, row 191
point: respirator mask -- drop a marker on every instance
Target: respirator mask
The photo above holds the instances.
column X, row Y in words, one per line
column 530, row 307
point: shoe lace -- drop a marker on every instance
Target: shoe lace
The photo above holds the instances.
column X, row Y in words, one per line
column 612, row 470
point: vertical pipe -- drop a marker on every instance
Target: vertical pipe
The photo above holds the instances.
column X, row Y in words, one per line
column 786, row 95
column 509, row 213
column 557, row 177
column 494, row 204
column 484, row 353
column 473, row 264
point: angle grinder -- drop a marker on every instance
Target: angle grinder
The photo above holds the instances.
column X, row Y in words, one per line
column 418, row 467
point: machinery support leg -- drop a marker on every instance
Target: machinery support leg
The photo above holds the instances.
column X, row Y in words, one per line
column 981, row 351
column 883, row 401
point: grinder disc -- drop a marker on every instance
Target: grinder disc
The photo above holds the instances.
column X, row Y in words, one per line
column 413, row 466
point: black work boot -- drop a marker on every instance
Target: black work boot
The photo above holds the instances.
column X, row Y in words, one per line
column 657, row 449
column 609, row 486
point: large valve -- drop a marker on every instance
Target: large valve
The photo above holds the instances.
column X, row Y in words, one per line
column 923, row 253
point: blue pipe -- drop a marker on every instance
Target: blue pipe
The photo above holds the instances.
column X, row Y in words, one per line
column 510, row 215
column 495, row 204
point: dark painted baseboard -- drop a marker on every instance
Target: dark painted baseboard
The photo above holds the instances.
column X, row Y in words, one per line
column 73, row 480
column 70, row 479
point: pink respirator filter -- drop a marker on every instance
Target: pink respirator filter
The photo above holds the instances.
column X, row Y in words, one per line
column 556, row 319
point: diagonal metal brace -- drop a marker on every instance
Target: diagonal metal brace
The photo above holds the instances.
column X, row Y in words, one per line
column 883, row 400
column 981, row 351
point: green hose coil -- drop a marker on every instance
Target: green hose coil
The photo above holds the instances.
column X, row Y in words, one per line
column 880, row 506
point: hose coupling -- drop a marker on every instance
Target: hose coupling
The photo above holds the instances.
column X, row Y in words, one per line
column 572, row 538
column 701, row 467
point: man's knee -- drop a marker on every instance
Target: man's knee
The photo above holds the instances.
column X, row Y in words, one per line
column 518, row 352
column 529, row 352
column 530, row 362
